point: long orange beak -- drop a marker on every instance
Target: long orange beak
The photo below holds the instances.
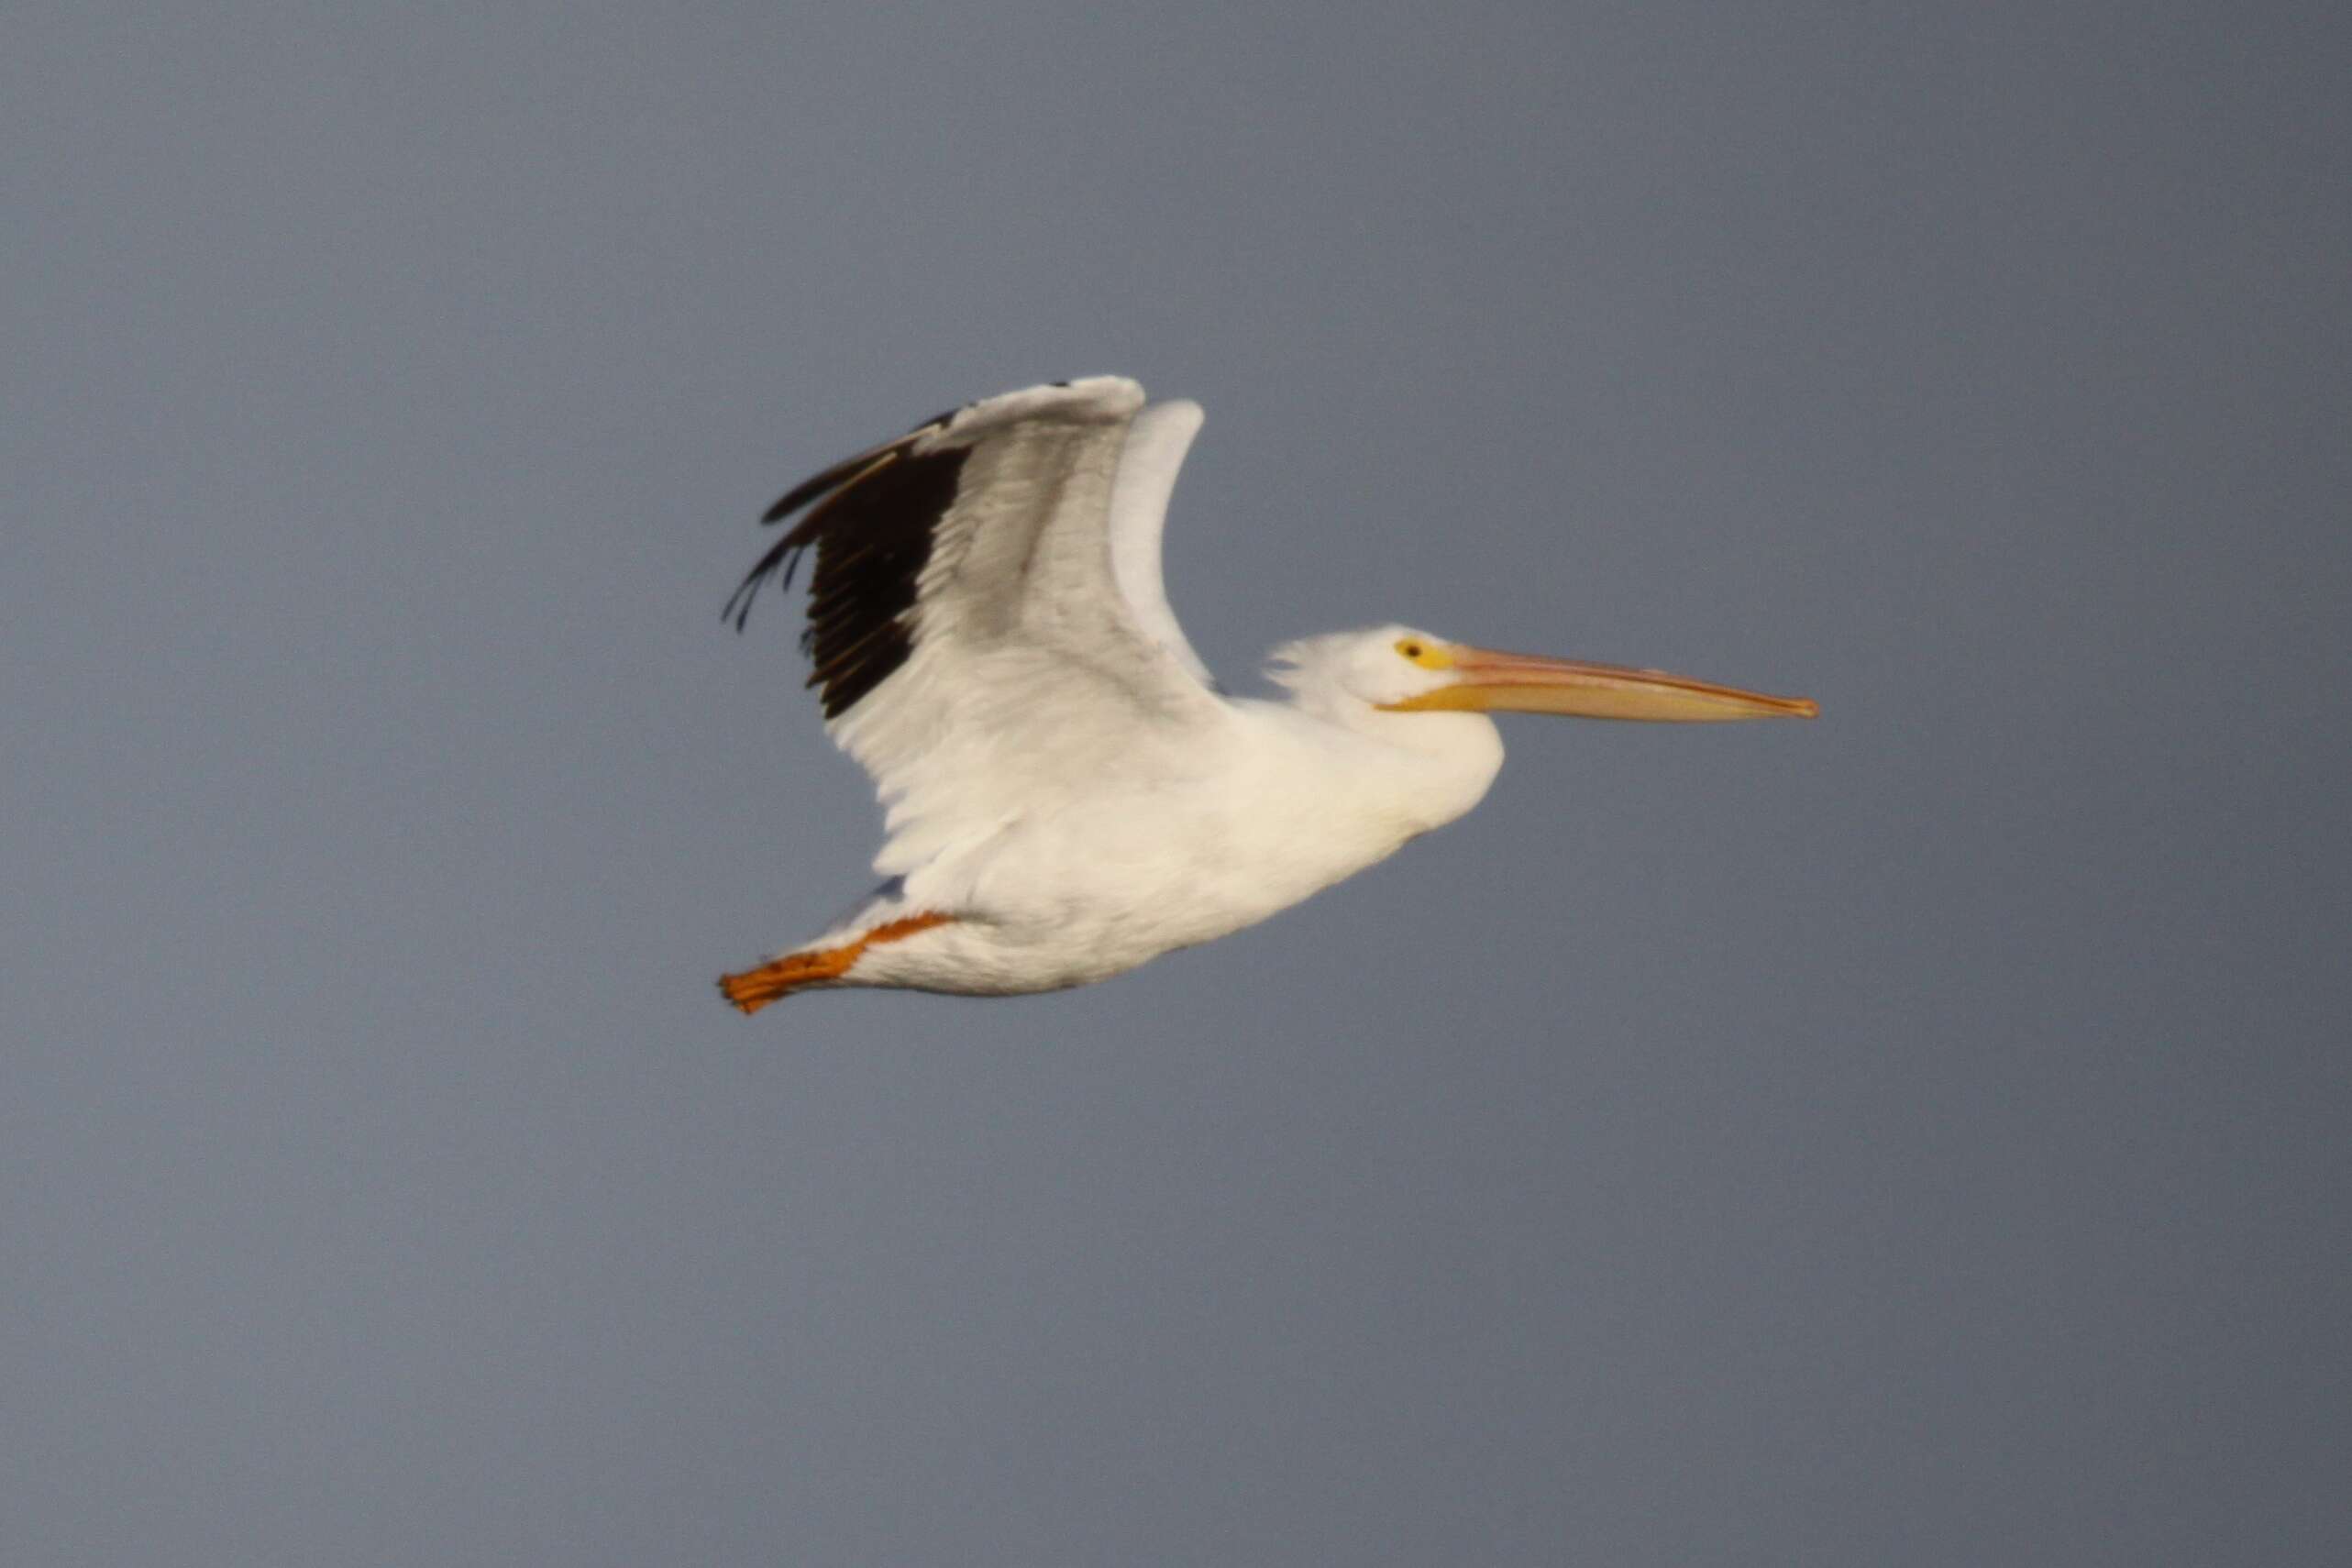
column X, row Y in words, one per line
column 1526, row 683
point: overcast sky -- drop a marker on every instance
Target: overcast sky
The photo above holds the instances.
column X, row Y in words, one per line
column 1915, row 1137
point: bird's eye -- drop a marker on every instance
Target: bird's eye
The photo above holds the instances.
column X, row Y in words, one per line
column 1410, row 650
column 1422, row 654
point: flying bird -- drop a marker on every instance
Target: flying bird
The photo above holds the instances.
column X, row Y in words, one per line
column 1068, row 792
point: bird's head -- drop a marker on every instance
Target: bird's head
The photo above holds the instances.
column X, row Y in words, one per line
column 1398, row 670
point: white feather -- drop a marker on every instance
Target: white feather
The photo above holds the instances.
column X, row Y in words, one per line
column 1157, row 441
column 1034, row 680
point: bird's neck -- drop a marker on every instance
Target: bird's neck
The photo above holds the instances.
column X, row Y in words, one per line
column 1449, row 759
column 1421, row 769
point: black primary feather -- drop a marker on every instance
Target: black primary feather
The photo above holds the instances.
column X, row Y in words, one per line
column 870, row 522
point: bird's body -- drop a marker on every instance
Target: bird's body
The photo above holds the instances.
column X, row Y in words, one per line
column 1269, row 811
column 1068, row 796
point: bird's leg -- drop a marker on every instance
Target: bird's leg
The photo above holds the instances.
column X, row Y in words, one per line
column 773, row 981
column 752, row 989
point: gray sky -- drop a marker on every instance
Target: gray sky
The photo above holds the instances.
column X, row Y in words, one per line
column 1913, row 1137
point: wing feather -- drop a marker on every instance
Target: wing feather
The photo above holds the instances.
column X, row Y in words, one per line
column 1156, row 443
column 986, row 620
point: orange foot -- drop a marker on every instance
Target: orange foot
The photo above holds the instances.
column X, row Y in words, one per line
column 773, row 981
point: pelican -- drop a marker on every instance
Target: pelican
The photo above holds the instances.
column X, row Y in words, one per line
column 1068, row 794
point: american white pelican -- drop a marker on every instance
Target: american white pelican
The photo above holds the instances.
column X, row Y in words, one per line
column 1068, row 794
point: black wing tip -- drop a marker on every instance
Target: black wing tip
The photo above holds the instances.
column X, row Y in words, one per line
column 829, row 485
column 817, row 488
column 780, row 562
column 870, row 524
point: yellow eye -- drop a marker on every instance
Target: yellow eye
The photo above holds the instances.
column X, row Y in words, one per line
column 1424, row 654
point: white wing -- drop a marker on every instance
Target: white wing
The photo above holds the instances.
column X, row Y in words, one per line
column 986, row 618
column 1156, row 443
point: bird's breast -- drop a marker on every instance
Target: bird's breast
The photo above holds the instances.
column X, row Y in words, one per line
column 1140, row 872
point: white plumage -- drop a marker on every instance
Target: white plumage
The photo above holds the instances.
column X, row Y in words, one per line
column 1066, row 795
